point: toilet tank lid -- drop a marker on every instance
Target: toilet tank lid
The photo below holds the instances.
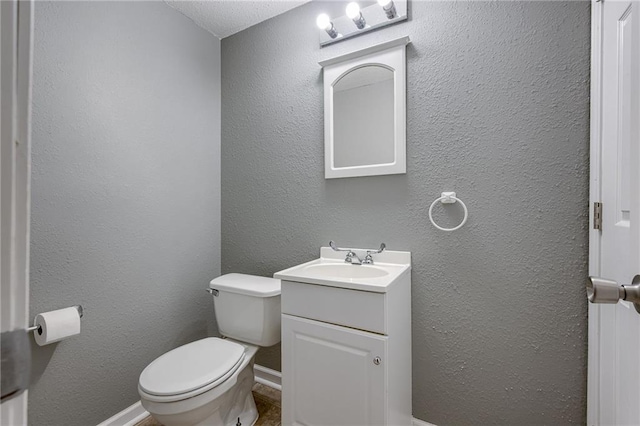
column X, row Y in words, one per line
column 250, row 285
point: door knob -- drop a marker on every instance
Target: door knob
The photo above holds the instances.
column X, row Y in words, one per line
column 601, row 290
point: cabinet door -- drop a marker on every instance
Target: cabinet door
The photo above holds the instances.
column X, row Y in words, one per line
column 332, row 375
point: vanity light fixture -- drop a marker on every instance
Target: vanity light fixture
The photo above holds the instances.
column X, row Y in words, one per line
column 389, row 8
column 378, row 14
column 353, row 13
column 324, row 23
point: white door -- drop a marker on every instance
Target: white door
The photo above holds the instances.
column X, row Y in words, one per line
column 331, row 374
column 614, row 329
column 16, row 19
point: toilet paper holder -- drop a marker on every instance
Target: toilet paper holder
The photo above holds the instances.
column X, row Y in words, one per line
column 39, row 327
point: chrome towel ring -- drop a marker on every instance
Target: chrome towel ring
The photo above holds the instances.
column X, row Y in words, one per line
column 448, row 198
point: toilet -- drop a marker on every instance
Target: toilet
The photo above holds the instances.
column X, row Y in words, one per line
column 209, row 381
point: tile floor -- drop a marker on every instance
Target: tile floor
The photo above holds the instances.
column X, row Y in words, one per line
column 268, row 401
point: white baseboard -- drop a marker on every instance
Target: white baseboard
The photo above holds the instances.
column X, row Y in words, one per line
column 268, row 377
column 418, row 422
column 127, row 417
column 273, row 379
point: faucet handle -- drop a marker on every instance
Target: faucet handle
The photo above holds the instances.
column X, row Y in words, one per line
column 368, row 260
column 334, row 248
column 380, row 250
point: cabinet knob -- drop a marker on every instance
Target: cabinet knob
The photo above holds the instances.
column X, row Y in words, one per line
column 377, row 360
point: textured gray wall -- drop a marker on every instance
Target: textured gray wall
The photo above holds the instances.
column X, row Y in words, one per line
column 126, row 198
column 498, row 107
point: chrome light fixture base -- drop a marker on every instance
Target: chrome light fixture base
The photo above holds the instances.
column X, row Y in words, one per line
column 390, row 10
column 375, row 16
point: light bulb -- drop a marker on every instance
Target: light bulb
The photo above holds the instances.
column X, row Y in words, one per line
column 353, row 10
column 353, row 13
column 389, row 8
column 323, row 21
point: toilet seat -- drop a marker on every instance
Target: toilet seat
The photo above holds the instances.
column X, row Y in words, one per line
column 191, row 369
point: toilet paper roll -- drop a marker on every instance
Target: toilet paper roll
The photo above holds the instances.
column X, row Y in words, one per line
column 56, row 325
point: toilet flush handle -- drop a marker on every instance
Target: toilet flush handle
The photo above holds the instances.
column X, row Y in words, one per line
column 212, row 291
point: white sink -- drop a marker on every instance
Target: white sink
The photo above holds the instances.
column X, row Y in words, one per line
column 331, row 270
column 345, row 270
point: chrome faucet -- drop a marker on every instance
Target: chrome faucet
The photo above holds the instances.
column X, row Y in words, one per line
column 353, row 258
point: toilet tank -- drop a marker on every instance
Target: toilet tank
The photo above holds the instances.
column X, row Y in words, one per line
column 247, row 308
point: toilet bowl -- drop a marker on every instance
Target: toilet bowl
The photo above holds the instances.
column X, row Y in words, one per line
column 209, row 381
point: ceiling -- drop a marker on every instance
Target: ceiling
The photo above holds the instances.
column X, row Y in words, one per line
column 223, row 18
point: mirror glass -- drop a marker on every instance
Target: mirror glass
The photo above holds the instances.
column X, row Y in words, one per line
column 363, row 117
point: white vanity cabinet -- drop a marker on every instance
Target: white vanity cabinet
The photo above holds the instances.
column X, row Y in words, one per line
column 329, row 374
column 346, row 352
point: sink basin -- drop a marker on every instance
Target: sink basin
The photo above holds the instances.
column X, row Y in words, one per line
column 345, row 270
column 331, row 270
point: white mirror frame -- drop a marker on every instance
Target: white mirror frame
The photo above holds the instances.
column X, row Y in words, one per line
column 391, row 55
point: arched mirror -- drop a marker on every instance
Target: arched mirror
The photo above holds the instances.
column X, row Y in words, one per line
column 365, row 112
column 363, row 120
